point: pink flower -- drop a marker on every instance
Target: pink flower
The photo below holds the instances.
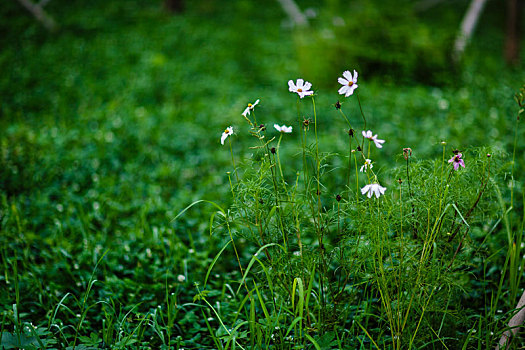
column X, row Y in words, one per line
column 377, row 142
column 456, row 159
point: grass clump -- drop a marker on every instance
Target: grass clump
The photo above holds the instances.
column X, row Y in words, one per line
column 344, row 264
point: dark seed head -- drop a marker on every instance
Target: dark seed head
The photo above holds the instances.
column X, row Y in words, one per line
column 338, row 198
column 351, row 132
column 261, row 201
column 272, row 150
column 359, row 148
column 337, row 105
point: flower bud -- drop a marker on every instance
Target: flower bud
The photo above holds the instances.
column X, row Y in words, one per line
column 273, row 150
column 338, row 198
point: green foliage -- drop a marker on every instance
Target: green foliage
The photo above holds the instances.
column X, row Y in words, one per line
column 390, row 39
column 110, row 126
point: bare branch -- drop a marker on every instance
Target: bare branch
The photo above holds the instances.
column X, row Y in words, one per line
column 467, row 27
column 294, row 13
column 38, row 12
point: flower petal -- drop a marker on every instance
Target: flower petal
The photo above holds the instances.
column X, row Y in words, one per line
column 342, row 81
column 347, row 75
column 277, row 127
column 291, row 86
column 343, row 90
column 307, row 85
column 300, row 83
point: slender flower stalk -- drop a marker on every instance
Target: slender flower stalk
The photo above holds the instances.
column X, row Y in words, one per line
column 233, row 162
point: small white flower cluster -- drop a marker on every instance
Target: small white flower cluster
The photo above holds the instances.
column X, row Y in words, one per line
column 302, row 88
column 251, row 106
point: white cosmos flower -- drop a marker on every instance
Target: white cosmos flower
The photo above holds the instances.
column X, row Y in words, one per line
column 226, row 133
column 371, row 189
column 284, row 128
column 302, row 88
column 250, row 108
column 349, row 83
column 368, row 135
column 367, row 165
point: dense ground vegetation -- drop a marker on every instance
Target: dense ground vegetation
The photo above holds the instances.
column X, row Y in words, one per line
column 110, row 127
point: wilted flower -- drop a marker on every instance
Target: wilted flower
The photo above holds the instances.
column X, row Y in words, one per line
column 456, row 159
column 306, row 123
column 285, row 129
column 371, row 189
column 349, row 83
column 368, row 164
column 407, row 152
column 226, row 133
column 302, row 88
column 250, row 108
column 368, row 135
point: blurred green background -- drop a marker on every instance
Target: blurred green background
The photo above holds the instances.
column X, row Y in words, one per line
column 111, row 124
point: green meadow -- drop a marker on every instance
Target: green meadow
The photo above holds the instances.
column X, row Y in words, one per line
column 126, row 224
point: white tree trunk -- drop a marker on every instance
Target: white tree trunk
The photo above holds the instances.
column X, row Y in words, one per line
column 294, row 13
column 467, row 27
column 38, row 12
column 514, row 324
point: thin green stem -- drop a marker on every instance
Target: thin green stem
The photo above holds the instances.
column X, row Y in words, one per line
column 233, row 161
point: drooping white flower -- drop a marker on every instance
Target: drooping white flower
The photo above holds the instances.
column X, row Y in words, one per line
column 302, row 88
column 226, row 133
column 285, row 129
column 349, row 83
column 368, row 164
column 371, row 189
column 368, row 135
column 250, row 108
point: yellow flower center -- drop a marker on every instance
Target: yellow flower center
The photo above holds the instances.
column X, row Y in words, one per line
column 299, row 90
column 226, row 131
column 350, row 83
column 250, row 105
